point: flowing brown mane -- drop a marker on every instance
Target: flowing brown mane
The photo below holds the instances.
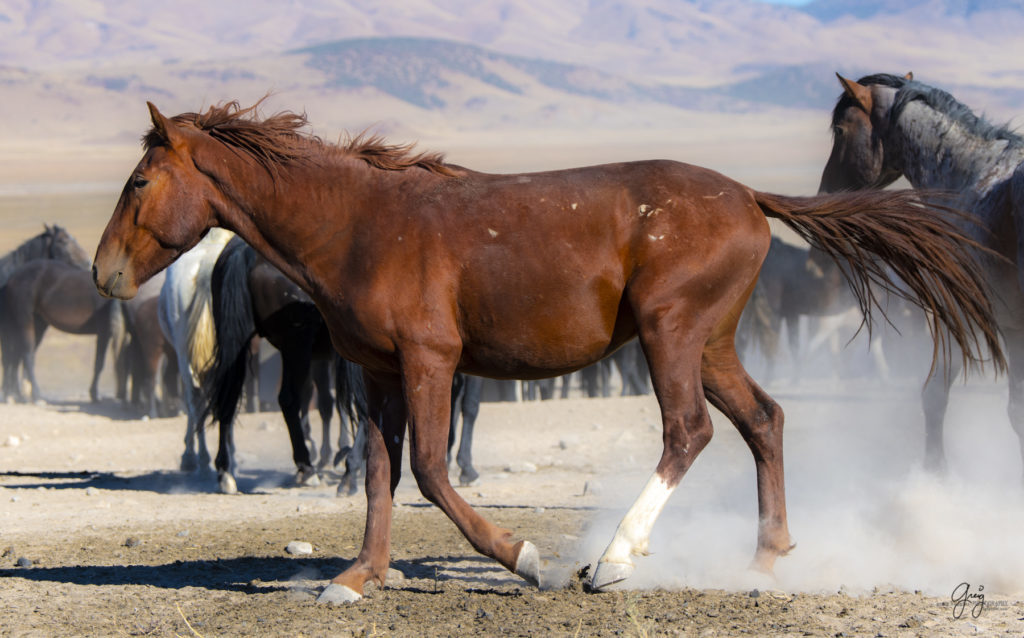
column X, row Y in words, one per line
column 279, row 139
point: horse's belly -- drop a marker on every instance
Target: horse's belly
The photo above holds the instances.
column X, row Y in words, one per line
column 531, row 342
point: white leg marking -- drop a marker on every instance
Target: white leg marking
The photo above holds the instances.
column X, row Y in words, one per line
column 634, row 532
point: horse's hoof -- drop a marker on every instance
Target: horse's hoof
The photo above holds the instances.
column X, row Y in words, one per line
column 336, row 594
column 469, row 478
column 528, row 564
column 189, row 463
column 341, row 455
column 307, row 478
column 227, row 484
column 608, row 574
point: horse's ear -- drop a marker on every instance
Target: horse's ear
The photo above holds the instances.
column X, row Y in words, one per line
column 161, row 125
column 858, row 92
column 909, row 76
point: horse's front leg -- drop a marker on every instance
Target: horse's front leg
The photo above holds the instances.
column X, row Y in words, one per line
column 385, row 435
column 427, row 378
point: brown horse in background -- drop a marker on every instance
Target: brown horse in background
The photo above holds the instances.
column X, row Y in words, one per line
column 422, row 269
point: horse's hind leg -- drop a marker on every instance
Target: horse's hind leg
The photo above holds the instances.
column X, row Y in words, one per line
column 470, row 409
column 1014, row 344
column 759, row 420
column 935, row 399
column 296, row 390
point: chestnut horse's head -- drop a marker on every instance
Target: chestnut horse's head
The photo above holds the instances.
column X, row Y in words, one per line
column 165, row 208
column 860, row 158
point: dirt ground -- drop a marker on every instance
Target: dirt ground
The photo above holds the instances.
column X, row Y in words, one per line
column 101, row 535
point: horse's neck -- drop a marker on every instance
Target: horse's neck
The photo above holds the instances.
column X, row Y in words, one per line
column 34, row 248
column 287, row 227
column 940, row 153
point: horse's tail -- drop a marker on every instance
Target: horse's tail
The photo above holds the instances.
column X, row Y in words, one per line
column 234, row 325
column 202, row 335
column 921, row 256
column 350, row 392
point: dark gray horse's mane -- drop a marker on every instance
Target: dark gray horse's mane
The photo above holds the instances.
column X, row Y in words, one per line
column 35, row 248
column 909, row 91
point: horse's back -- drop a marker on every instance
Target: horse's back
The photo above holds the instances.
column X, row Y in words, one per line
column 543, row 273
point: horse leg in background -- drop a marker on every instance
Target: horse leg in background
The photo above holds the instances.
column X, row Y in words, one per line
column 252, row 377
column 120, row 351
column 11, row 356
column 471, row 392
column 385, row 434
column 170, row 383
column 296, row 392
column 355, row 461
column 795, row 351
column 590, row 380
column 321, row 370
column 566, row 385
column 194, row 433
column 458, row 391
column 604, row 370
column 102, row 339
column 1014, row 344
column 223, row 407
column 935, row 398
column 29, row 355
column 16, row 336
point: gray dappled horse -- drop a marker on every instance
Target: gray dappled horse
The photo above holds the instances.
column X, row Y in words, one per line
column 886, row 126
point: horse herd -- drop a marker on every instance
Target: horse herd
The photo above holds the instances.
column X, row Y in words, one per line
column 419, row 271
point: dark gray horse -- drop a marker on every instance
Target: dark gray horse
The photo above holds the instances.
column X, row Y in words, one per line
column 886, row 126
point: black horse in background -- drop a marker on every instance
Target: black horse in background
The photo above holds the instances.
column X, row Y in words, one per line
column 251, row 297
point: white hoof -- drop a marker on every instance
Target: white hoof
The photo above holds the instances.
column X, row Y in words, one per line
column 608, row 574
column 528, row 564
column 336, row 594
column 227, row 484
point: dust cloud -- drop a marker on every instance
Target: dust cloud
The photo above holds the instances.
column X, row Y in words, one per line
column 863, row 512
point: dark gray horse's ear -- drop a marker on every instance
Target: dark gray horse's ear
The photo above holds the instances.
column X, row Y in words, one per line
column 909, row 76
column 858, row 92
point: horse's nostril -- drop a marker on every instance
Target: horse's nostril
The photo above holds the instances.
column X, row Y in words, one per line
column 94, row 273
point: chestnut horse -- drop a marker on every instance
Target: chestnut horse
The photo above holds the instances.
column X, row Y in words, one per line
column 423, row 268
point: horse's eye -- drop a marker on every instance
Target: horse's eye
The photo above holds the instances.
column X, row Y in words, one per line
column 139, row 181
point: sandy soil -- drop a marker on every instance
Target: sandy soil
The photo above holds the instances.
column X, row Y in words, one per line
column 113, row 540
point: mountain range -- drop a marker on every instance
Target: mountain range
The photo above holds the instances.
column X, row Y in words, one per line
column 79, row 69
